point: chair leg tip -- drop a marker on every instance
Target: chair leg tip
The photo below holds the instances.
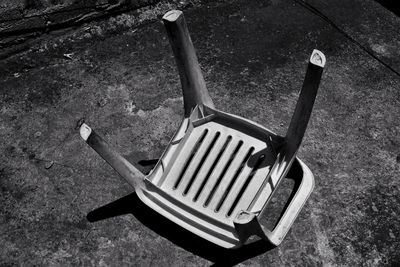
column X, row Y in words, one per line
column 172, row 15
column 85, row 131
column 318, row 58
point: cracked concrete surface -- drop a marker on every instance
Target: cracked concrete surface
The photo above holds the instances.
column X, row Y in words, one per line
column 122, row 81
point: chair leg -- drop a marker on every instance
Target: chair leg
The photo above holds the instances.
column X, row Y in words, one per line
column 132, row 175
column 246, row 225
column 305, row 103
column 193, row 85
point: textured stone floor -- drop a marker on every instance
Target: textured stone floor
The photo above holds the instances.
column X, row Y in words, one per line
column 119, row 76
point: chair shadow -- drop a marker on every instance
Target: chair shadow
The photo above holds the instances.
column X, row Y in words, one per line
column 131, row 204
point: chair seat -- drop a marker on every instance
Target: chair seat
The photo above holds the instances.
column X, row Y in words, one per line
column 216, row 168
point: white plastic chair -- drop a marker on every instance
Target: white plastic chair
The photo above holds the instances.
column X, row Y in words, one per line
column 219, row 171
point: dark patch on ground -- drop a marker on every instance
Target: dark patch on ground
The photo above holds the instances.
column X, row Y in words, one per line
column 392, row 5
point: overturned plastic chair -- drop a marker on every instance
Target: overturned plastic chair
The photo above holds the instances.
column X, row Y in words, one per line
column 219, row 171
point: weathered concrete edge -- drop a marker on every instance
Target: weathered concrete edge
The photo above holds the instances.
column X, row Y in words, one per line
column 18, row 26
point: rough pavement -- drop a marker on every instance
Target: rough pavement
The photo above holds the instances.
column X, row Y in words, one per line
column 119, row 76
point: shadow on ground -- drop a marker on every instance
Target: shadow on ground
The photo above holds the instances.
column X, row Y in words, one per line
column 131, row 204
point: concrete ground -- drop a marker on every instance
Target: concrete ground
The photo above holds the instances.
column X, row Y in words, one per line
column 119, row 76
